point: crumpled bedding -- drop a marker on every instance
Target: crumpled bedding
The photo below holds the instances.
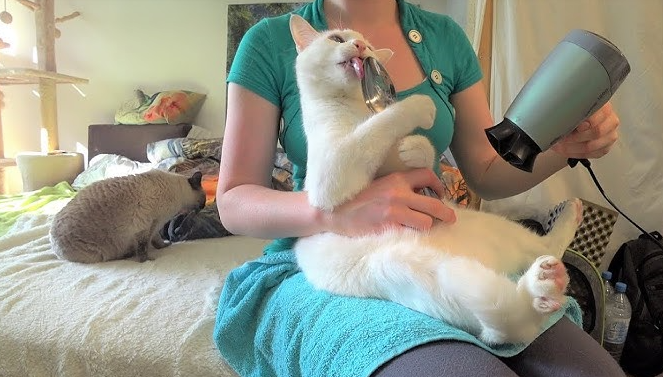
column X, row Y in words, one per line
column 45, row 200
column 119, row 318
column 183, row 156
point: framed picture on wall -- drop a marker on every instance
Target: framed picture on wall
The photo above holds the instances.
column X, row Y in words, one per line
column 242, row 16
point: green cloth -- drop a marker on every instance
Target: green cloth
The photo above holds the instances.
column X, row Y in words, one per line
column 38, row 201
column 265, row 64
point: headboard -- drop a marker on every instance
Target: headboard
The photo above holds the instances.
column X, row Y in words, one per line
column 130, row 140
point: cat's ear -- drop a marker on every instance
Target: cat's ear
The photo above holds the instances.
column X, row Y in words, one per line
column 383, row 55
column 196, row 180
column 302, row 32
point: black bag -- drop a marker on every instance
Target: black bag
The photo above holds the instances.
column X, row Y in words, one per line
column 639, row 264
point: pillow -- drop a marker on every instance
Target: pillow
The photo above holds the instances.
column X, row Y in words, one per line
column 184, row 147
column 164, row 149
column 104, row 166
column 167, row 107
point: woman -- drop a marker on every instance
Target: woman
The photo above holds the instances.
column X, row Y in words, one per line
column 270, row 321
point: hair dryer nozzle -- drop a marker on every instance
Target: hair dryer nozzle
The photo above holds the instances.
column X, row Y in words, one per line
column 578, row 77
column 513, row 145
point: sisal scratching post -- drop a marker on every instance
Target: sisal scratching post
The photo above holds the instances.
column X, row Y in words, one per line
column 45, row 32
column 51, row 165
column 3, row 189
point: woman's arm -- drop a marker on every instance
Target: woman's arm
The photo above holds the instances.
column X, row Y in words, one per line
column 492, row 177
column 247, row 204
column 484, row 170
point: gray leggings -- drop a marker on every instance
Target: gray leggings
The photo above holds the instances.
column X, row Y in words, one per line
column 563, row 350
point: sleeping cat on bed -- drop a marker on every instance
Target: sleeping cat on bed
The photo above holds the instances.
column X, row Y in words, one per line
column 119, row 217
column 456, row 272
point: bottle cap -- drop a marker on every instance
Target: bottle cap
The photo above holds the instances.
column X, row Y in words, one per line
column 607, row 275
column 620, row 287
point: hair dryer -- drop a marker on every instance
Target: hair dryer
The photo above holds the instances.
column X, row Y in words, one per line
column 576, row 79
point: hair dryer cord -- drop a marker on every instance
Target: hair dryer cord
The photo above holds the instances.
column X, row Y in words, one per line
column 585, row 162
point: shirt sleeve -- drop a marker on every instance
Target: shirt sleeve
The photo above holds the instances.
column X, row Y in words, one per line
column 253, row 66
column 467, row 65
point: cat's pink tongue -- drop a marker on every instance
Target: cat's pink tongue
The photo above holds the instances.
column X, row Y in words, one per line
column 357, row 64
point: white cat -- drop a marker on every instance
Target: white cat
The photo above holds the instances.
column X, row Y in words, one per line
column 456, row 272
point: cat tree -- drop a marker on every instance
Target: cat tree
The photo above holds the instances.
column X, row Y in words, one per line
column 45, row 75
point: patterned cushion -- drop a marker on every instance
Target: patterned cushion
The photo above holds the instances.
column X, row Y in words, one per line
column 167, row 107
column 184, row 147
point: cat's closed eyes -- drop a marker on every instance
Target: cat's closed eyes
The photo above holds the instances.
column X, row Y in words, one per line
column 457, row 272
column 120, row 217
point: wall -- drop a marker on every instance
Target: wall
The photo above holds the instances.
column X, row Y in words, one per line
column 120, row 46
column 631, row 174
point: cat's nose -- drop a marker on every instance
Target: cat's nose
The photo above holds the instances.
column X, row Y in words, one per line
column 361, row 46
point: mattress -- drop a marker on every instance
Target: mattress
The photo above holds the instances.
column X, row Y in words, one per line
column 119, row 318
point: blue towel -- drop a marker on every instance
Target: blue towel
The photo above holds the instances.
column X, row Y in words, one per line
column 272, row 322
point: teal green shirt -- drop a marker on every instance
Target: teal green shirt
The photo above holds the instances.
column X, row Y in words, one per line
column 265, row 64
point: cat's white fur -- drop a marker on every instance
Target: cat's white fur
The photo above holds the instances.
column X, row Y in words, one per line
column 456, row 272
column 344, row 138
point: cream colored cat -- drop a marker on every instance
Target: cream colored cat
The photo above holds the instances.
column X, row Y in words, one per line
column 456, row 272
column 119, row 217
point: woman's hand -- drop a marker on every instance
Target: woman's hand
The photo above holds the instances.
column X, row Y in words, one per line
column 593, row 138
column 393, row 200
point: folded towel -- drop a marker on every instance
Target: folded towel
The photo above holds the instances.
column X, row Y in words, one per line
column 272, row 322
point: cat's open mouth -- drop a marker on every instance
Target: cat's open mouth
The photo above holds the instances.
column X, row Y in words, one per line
column 357, row 65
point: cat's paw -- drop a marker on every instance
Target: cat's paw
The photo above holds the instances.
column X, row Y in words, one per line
column 421, row 110
column 546, row 281
column 159, row 243
column 569, row 212
column 416, row 151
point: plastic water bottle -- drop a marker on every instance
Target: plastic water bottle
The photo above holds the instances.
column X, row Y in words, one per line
column 608, row 290
column 617, row 319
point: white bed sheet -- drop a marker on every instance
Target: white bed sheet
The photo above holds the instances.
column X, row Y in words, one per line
column 120, row 318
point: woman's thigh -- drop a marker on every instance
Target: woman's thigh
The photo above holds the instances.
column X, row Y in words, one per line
column 564, row 350
column 445, row 358
column 561, row 351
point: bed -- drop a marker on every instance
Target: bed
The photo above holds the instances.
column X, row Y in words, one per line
column 120, row 318
column 125, row 318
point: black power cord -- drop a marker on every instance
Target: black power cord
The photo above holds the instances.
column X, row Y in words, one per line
column 585, row 162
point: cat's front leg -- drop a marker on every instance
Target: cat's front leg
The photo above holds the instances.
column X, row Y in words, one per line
column 158, row 242
column 141, row 249
column 415, row 111
column 416, row 151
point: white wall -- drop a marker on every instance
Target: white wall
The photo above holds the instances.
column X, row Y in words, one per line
column 119, row 46
column 632, row 173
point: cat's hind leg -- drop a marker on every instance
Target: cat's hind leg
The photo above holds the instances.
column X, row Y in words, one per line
column 539, row 293
column 494, row 307
column 564, row 229
column 546, row 281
